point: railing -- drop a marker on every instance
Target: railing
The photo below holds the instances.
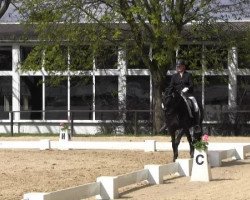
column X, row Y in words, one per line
column 132, row 117
column 230, row 122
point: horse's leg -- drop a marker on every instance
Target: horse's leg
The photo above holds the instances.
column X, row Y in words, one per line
column 175, row 143
column 177, row 140
column 175, row 153
column 190, row 141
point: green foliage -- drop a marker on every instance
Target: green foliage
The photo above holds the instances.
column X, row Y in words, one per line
column 159, row 24
column 55, row 58
column 202, row 145
column 81, row 57
column 34, row 61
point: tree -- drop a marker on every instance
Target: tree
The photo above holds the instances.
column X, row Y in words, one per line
column 152, row 29
column 4, row 4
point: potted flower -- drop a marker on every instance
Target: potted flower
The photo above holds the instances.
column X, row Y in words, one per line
column 202, row 144
column 64, row 126
column 64, row 132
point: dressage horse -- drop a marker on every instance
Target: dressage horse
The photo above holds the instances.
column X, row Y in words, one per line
column 179, row 122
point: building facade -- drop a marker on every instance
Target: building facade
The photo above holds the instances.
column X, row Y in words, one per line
column 96, row 95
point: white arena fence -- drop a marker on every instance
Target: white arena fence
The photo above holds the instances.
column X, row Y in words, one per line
column 107, row 187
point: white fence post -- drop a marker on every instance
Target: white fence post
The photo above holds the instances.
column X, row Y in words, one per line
column 185, row 166
column 44, row 144
column 150, row 146
column 241, row 151
column 108, row 187
column 214, row 158
column 34, row 196
column 201, row 170
column 154, row 176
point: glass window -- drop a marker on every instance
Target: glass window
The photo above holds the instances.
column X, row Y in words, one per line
column 244, row 57
column 24, row 52
column 138, row 95
column 5, row 58
column 216, row 96
column 31, row 97
column 134, row 58
column 81, row 58
column 243, row 92
column 106, row 97
column 197, row 80
column 31, row 58
column 107, row 58
column 55, row 98
column 81, row 97
column 216, row 57
column 192, row 54
column 5, row 96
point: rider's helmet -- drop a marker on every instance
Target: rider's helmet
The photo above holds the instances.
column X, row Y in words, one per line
column 180, row 65
column 180, row 62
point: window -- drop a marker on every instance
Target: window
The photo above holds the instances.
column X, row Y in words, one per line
column 31, row 57
column 243, row 92
column 24, row 52
column 216, row 57
column 5, row 96
column 31, row 97
column 5, row 58
column 244, row 57
column 216, row 96
column 55, row 98
column 243, row 103
column 138, row 95
column 107, row 58
column 106, row 97
column 197, row 80
column 81, row 97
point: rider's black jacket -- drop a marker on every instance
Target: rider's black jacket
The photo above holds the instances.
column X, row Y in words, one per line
column 178, row 82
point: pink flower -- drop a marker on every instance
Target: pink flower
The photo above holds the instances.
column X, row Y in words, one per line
column 205, row 137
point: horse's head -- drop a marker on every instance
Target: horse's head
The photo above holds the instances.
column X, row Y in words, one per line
column 171, row 100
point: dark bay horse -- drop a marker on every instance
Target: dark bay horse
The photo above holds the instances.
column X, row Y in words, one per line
column 179, row 122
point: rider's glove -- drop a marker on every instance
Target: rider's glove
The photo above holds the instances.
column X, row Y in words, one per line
column 162, row 106
column 185, row 89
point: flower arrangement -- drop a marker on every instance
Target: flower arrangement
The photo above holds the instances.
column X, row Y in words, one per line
column 202, row 144
column 64, row 126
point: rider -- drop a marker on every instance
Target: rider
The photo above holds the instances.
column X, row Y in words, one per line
column 183, row 83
